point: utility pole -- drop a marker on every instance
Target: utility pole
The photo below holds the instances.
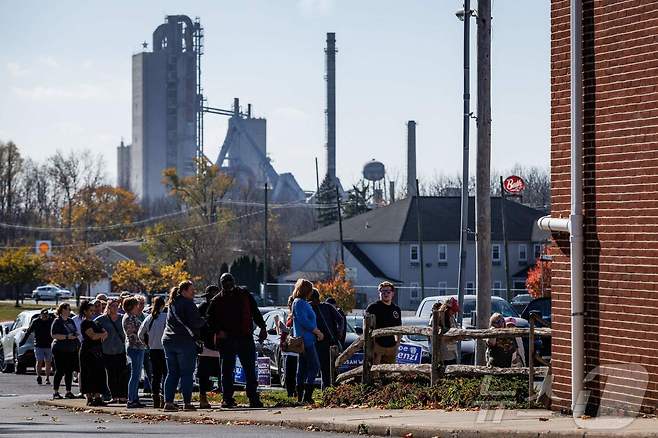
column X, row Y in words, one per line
column 266, row 248
column 463, row 236
column 483, row 171
column 419, row 225
column 340, row 228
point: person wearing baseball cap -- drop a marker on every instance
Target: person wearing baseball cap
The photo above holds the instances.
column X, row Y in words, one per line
column 42, row 342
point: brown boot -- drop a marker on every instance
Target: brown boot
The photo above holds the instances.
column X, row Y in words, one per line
column 203, row 401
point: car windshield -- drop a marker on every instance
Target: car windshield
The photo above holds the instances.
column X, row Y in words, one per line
column 497, row 306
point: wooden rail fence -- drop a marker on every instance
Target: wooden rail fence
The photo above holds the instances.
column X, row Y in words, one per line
column 436, row 369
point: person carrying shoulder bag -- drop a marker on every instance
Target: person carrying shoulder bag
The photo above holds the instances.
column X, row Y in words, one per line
column 305, row 326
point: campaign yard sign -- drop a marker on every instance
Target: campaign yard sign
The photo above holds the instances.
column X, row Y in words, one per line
column 262, row 372
column 407, row 354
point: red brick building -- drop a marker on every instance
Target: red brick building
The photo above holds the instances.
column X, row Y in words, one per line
column 620, row 169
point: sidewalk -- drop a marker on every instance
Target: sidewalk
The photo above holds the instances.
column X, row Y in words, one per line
column 425, row 423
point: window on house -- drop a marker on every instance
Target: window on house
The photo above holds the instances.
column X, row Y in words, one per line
column 470, row 287
column 414, row 254
column 536, row 249
column 495, row 253
column 523, row 253
column 519, row 287
column 443, row 288
column 497, row 288
column 443, row 253
column 414, row 291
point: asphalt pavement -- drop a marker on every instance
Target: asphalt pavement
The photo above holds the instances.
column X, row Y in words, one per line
column 21, row 416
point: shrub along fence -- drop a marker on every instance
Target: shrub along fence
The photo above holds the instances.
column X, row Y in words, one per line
column 437, row 369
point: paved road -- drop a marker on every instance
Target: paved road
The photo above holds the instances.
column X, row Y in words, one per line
column 20, row 416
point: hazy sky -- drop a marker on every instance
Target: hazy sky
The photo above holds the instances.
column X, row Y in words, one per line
column 65, row 77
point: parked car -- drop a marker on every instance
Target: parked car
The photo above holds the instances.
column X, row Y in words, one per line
column 520, row 301
column 13, row 356
column 356, row 321
column 51, row 292
column 270, row 346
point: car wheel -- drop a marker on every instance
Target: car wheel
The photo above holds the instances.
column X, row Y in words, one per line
column 37, row 297
column 18, row 367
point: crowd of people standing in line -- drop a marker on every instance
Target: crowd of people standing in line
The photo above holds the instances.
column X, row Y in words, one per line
column 112, row 341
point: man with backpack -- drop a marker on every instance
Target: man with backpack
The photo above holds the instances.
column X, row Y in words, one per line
column 231, row 315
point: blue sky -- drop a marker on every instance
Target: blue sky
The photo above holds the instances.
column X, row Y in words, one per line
column 65, row 78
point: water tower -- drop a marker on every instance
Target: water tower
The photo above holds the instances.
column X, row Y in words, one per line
column 374, row 171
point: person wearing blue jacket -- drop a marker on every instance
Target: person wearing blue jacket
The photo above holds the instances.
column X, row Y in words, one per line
column 305, row 326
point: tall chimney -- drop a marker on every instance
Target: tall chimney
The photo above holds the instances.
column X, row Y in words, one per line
column 392, row 191
column 330, row 111
column 411, row 158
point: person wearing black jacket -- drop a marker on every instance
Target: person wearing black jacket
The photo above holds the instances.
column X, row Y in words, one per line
column 329, row 322
column 231, row 315
column 42, row 342
column 208, row 364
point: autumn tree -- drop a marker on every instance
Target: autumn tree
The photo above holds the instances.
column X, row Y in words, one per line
column 538, row 287
column 134, row 277
column 19, row 267
column 75, row 266
column 338, row 287
column 103, row 206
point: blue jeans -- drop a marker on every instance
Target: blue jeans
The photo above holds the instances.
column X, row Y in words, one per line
column 308, row 365
column 136, row 362
column 181, row 359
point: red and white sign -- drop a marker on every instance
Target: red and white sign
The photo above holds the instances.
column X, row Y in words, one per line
column 514, row 184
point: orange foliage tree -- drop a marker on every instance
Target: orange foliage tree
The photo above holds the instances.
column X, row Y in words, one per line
column 534, row 281
column 338, row 287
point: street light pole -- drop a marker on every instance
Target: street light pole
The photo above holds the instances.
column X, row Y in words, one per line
column 464, row 15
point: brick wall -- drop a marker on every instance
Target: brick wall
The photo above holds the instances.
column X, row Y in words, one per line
column 621, row 197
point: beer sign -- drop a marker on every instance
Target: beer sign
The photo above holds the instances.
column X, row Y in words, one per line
column 514, row 185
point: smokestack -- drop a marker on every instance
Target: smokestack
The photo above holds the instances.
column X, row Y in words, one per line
column 330, row 111
column 236, row 107
column 392, row 190
column 411, row 158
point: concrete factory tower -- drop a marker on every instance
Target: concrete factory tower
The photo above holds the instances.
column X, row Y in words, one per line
column 164, row 107
column 411, row 158
column 330, row 52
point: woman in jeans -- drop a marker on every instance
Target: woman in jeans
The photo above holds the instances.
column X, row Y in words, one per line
column 92, row 370
column 305, row 326
column 150, row 332
column 65, row 349
column 135, row 349
column 114, row 352
column 183, row 327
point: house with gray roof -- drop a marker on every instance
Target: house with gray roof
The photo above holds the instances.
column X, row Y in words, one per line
column 383, row 244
